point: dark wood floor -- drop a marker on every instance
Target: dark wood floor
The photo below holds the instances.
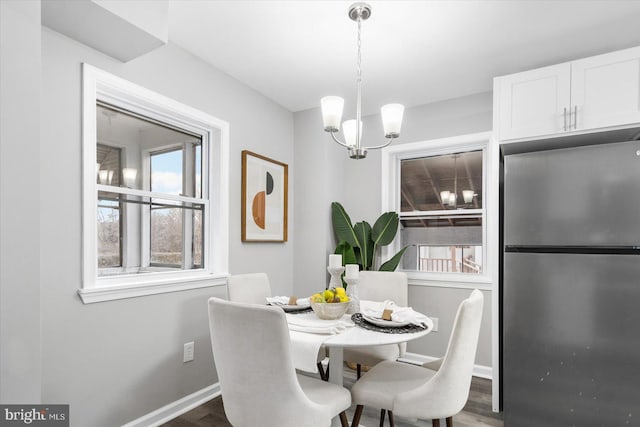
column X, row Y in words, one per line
column 477, row 412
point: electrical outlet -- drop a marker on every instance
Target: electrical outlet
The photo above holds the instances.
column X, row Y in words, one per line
column 188, row 352
column 435, row 324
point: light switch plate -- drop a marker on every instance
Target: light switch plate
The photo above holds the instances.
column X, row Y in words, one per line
column 188, row 352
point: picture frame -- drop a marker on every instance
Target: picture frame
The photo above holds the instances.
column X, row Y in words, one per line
column 265, row 185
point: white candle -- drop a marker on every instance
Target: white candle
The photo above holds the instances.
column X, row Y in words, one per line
column 352, row 271
column 335, row 260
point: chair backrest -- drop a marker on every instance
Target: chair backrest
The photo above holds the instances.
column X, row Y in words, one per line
column 251, row 350
column 384, row 285
column 448, row 390
column 251, row 288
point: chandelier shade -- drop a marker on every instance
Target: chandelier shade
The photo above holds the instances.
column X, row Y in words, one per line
column 392, row 119
column 350, row 133
column 332, row 106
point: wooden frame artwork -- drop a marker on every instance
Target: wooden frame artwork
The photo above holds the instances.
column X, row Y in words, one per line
column 264, row 198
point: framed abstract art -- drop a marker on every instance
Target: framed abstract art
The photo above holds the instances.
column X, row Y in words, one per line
column 264, row 198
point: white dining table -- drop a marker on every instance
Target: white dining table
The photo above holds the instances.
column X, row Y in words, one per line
column 355, row 336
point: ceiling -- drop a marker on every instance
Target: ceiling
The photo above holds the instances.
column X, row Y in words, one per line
column 414, row 52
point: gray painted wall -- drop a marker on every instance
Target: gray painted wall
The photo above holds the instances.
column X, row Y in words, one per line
column 20, row 358
column 356, row 184
column 116, row 361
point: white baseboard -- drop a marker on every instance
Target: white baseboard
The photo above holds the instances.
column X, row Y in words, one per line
column 177, row 408
column 480, row 371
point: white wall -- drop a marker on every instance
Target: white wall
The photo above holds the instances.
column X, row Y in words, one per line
column 116, row 361
column 356, row 184
column 20, row 358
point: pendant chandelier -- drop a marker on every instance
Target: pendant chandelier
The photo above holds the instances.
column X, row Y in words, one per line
column 332, row 106
column 450, row 198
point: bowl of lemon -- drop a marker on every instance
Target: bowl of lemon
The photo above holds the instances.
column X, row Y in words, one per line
column 331, row 304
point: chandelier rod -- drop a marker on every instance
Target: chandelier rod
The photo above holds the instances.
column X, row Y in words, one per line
column 359, row 83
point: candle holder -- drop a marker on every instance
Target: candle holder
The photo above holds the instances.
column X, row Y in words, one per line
column 335, row 272
column 352, row 293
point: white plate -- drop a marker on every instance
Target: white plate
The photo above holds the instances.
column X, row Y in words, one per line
column 289, row 308
column 384, row 323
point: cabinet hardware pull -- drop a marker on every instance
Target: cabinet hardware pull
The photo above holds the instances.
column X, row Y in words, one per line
column 575, row 117
column 565, row 118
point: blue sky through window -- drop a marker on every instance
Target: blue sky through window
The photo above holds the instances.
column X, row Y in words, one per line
column 166, row 172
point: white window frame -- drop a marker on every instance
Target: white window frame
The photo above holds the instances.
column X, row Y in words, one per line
column 390, row 185
column 99, row 85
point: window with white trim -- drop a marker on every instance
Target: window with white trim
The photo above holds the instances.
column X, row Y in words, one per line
column 438, row 189
column 156, row 192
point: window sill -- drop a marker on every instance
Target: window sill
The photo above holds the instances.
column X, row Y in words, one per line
column 454, row 281
column 109, row 293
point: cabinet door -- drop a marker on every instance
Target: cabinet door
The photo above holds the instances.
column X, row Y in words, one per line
column 533, row 103
column 606, row 89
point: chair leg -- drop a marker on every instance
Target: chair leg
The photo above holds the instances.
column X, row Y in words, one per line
column 391, row 422
column 343, row 419
column 323, row 374
column 382, row 414
column 435, row 423
column 357, row 415
column 358, row 371
column 449, row 422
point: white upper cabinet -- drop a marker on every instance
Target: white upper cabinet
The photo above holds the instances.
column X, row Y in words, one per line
column 606, row 89
column 534, row 102
column 578, row 96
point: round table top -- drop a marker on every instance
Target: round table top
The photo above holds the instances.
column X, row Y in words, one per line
column 361, row 337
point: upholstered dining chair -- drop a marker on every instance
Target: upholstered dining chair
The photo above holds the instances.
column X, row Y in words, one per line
column 379, row 286
column 265, row 390
column 254, row 288
column 418, row 391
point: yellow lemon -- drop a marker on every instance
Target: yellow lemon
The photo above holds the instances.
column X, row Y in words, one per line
column 340, row 291
column 344, row 298
column 328, row 295
column 317, row 298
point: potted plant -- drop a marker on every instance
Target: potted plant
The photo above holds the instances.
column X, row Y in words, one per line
column 359, row 243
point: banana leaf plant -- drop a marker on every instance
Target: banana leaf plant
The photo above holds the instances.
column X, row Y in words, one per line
column 358, row 243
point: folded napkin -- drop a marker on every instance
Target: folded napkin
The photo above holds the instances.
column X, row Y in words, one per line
column 307, row 333
column 312, row 324
column 285, row 301
column 305, row 349
column 398, row 314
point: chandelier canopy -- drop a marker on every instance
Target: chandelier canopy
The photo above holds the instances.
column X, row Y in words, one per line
column 332, row 106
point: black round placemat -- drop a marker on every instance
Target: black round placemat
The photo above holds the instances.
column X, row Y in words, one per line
column 304, row 310
column 360, row 321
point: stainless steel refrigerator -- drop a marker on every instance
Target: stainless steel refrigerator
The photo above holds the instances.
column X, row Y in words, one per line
column 570, row 299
